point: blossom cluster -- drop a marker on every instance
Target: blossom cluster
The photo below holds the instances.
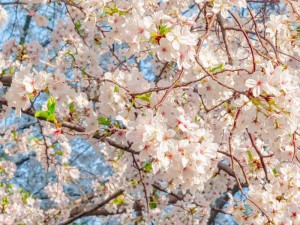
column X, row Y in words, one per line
column 189, row 103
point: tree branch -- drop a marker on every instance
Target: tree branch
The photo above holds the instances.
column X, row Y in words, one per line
column 81, row 130
column 86, row 212
column 223, row 31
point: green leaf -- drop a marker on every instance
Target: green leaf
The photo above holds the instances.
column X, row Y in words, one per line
column 15, row 134
column 25, row 195
column 35, row 139
column 77, row 25
column 98, row 43
column 84, row 74
column 41, row 114
column 71, row 54
column 59, row 153
column 111, row 10
column 31, row 96
column 115, row 9
column 250, row 156
column 148, row 167
column 2, row 170
column 152, row 205
column 12, row 69
column 5, row 200
column 51, row 104
column 2, row 73
column 276, row 174
column 197, row 119
column 121, row 13
column 51, row 118
column 163, row 29
column 119, row 200
column 116, row 89
column 72, row 107
column 133, row 182
column 104, row 121
column 108, row 11
column 215, row 69
column 145, row 97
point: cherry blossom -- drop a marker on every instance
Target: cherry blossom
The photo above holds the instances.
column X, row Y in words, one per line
column 149, row 112
column 164, row 50
column 258, row 84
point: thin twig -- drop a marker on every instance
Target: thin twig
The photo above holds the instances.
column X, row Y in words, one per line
column 261, row 157
column 86, row 212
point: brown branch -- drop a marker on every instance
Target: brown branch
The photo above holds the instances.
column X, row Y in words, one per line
column 141, row 180
column 220, row 203
column 87, row 212
column 222, row 166
column 294, row 7
column 256, row 29
column 157, row 89
column 6, row 80
column 212, row 76
column 179, row 197
column 240, row 165
column 157, row 79
column 260, row 155
column 169, row 90
column 263, row 38
column 67, row 2
column 46, row 149
column 120, row 146
column 220, row 211
column 223, row 31
column 25, row 28
column 202, row 39
column 119, row 60
column 79, row 129
column 294, row 146
column 75, row 27
column 247, row 39
column 232, row 167
column 13, row 3
column 137, row 207
column 207, row 110
column 231, row 150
